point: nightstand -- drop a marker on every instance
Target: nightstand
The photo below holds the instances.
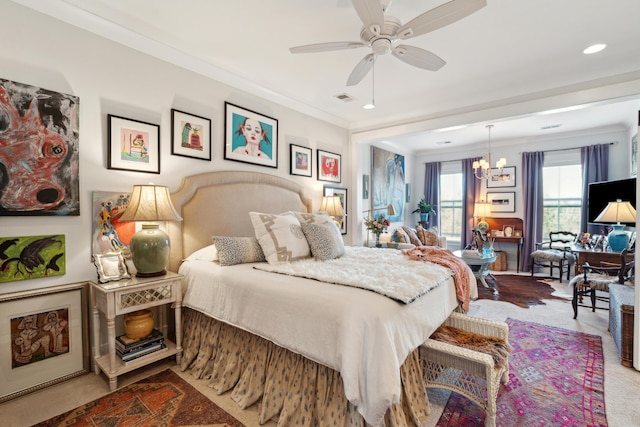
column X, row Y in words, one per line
column 125, row 296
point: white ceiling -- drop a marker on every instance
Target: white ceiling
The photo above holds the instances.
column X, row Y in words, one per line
column 508, row 54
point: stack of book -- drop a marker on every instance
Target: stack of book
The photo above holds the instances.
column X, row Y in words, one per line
column 130, row 350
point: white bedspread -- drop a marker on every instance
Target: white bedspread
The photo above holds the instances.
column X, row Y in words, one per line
column 363, row 335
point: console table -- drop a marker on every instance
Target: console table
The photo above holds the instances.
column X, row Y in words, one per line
column 499, row 224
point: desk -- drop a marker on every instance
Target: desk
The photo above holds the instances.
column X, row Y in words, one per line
column 519, row 241
column 480, row 267
column 517, row 225
column 594, row 257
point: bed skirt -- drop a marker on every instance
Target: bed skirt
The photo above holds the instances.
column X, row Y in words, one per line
column 289, row 388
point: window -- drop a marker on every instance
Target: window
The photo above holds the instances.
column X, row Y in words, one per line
column 451, row 202
column 562, row 194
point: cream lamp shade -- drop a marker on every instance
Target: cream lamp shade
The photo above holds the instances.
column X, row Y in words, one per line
column 332, row 206
column 614, row 213
column 150, row 246
column 482, row 210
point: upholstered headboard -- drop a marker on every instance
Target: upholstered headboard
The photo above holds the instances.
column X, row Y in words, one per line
column 218, row 204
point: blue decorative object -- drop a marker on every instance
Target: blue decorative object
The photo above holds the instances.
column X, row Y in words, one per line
column 617, row 212
column 618, row 239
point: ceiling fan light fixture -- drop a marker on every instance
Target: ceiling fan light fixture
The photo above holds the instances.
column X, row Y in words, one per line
column 369, row 106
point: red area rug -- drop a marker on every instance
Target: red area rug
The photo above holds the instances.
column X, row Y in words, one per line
column 556, row 378
column 163, row 399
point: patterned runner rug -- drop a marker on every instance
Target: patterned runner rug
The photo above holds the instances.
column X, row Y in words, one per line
column 163, row 399
column 556, row 378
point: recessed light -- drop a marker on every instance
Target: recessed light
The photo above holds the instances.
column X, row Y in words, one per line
column 368, row 106
column 594, row 48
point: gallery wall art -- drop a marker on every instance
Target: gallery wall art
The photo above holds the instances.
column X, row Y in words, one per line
column 250, row 137
column 39, row 134
column 108, row 232
column 31, row 257
column 387, row 183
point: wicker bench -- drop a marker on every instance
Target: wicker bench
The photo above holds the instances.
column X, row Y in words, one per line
column 622, row 301
column 467, row 372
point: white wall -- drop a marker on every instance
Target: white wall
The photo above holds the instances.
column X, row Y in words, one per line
column 112, row 79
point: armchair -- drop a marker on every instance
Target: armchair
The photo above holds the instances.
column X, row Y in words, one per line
column 599, row 278
column 555, row 253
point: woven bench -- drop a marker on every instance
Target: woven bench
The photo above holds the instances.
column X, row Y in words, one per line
column 470, row 373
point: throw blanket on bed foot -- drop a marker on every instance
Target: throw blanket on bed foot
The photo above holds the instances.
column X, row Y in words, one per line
column 385, row 271
column 447, row 259
column 496, row 347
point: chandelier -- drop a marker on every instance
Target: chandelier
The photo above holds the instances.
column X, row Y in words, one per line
column 482, row 168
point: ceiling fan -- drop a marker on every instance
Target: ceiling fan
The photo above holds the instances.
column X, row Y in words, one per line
column 382, row 32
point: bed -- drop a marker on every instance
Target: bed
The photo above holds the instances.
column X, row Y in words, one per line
column 308, row 352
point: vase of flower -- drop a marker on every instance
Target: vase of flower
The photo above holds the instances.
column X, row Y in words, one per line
column 378, row 244
column 377, row 225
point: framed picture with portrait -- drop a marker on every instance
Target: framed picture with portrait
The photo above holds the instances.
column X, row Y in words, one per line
column 301, row 160
column 329, row 166
column 342, row 194
column 133, row 145
column 190, row 135
column 43, row 338
column 250, row 137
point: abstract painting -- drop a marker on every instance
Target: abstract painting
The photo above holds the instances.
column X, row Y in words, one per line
column 108, row 233
column 387, row 183
column 39, row 134
column 31, row 257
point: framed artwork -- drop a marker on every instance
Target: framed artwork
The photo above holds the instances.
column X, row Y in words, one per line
column 301, row 160
column 387, row 182
column 634, row 156
column 502, row 202
column 133, row 145
column 39, row 151
column 190, row 135
column 108, row 233
column 32, row 257
column 329, row 166
column 250, row 137
column 111, row 266
column 508, row 230
column 43, row 337
column 507, row 178
column 342, row 193
column 365, row 187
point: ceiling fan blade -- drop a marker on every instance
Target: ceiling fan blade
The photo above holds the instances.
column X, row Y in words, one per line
column 361, row 70
column 370, row 13
column 326, row 47
column 439, row 17
column 418, row 57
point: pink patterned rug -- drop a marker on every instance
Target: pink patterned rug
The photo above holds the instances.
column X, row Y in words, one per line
column 556, row 378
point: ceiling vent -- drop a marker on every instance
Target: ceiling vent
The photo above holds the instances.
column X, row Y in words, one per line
column 443, row 142
column 550, row 127
column 345, row 97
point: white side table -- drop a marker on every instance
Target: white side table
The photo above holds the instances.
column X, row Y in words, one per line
column 124, row 296
column 480, row 267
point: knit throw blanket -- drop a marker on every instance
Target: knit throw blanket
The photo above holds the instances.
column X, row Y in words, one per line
column 446, row 258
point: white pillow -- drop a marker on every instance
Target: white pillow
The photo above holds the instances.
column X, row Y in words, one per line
column 324, row 240
column 280, row 237
column 208, row 253
column 313, row 218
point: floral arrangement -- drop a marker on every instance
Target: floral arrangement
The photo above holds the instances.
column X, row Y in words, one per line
column 377, row 225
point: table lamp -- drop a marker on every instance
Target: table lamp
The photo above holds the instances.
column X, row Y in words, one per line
column 332, row 205
column 482, row 210
column 614, row 213
column 150, row 246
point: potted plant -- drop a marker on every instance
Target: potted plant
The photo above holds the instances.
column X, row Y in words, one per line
column 424, row 209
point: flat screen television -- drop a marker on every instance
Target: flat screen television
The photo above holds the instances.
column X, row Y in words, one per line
column 601, row 193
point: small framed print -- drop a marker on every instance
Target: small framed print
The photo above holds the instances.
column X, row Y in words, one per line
column 517, row 233
column 111, row 266
column 190, row 135
column 506, row 178
column 133, row 145
column 508, row 230
column 43, row 337
column 329, row 166
column 250, row 137
column 342, row 193
column 502, row 202
column 301, row 160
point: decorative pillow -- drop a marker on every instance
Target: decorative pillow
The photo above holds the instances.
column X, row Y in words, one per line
column 313, row 218
column 427, row 237
column 402, row 235
column 413, row 237
column 280, row 237
column 324, row 240
column 208, row 253
column 238, row 250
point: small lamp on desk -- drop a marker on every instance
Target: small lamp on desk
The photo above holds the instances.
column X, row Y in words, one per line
column 332, row 205
column 614, row 213
column 150, row 246
column 482, row 210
